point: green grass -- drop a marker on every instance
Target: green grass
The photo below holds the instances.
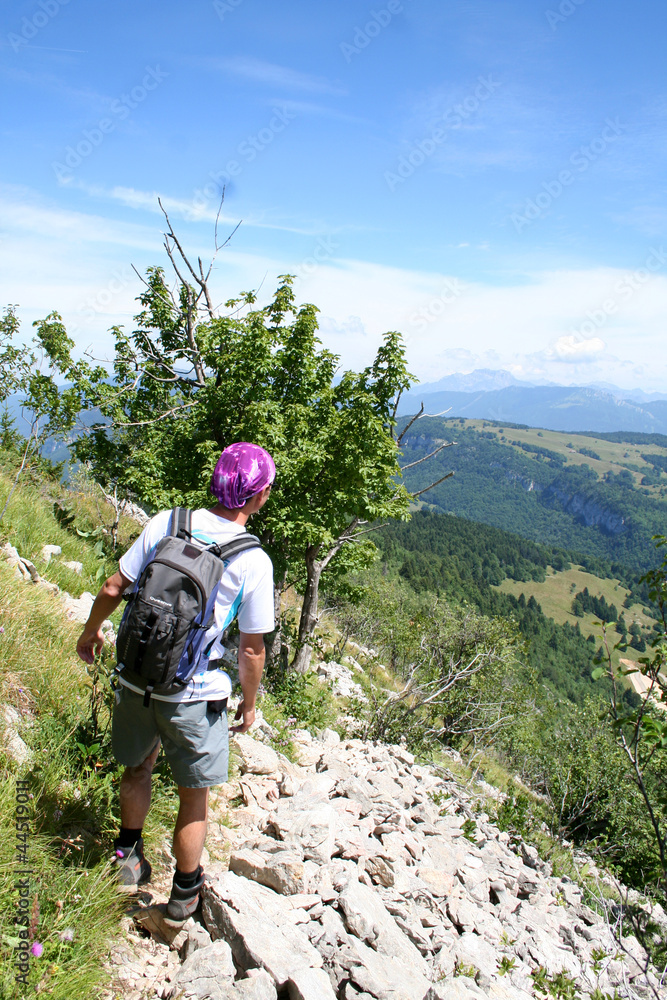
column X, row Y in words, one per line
column 69, row 808
column 614, row 456
column 556, row 593
column 72, row 777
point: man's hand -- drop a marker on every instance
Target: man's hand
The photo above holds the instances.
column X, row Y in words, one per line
column 109, row 597
column 251, row 664
column 248, row 716
column 90, row 644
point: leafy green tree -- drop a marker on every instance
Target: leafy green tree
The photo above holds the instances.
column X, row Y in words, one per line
column 16, row 360
column 25, row 372
column 642, row 730
column 458, row 679
column 188, row 382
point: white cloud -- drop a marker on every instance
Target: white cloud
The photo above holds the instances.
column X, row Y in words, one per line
column 79, row 264
column 204, row 206
column 272, row 74
column 569, row 349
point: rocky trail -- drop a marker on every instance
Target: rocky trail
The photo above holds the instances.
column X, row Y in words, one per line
column 358, row 874
column 347, row 882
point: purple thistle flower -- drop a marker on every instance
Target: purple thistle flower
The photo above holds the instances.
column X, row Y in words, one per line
column 67, row 934
column 36, row 949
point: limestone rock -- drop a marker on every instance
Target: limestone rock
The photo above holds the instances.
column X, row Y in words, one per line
column 200, row 975
column 13, row 745
column 282, row 870
column 256, row 939
column 255, row 757
column 309, row 821
column 50, row 550
column 310, row 984
column 198, row 938
column 384, row 977
column 473, row 950
column 74, row 566
column 367, row 917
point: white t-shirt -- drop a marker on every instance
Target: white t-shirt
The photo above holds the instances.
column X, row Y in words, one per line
column 245, row 590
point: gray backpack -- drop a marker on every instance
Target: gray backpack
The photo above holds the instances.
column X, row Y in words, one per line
column 161, row 635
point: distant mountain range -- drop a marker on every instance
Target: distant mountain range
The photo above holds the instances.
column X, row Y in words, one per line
column 498, row 396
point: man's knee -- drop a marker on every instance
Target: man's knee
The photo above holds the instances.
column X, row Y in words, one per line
column 145, row 769
column 194, row 801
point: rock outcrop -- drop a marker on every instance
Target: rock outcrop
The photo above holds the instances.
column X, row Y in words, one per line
column 346, row 881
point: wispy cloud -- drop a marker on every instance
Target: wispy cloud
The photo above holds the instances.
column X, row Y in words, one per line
column 55, row 86
column 196, row 210
column 322, row 111
column 78, row 263
column 275, row 75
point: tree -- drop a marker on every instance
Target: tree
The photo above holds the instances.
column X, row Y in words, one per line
column 642, row 731
column 22, row 376
column 458, row 681
column 187, row 382
column 16, row 361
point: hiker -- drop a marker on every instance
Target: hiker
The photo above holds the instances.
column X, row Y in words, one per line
column 191, row 724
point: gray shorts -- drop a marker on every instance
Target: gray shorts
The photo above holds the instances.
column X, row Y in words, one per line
column 194, row 736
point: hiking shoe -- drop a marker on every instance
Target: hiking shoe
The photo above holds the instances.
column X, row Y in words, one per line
column 132, row 868
column 184, row 902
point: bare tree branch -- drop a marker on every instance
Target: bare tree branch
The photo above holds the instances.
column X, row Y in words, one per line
column 406, row 429
column 436, row 483
column 447, row 444
column 155, row 420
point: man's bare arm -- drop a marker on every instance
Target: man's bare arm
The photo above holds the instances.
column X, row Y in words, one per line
column 251, row 664
column 109, row 597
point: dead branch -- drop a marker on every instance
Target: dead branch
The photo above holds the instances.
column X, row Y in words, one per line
column 200, row 279
column 447, row 444
column 436, row 483
column 170, row 302
column 406, row 429
column 396, row 404
column 441, row 414
column 155, row 420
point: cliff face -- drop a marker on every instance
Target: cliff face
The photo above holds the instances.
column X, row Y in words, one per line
column 359, row 875
column 590, row 512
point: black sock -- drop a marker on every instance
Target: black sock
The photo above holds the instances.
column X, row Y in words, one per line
column 127, row 837
column 187, row 880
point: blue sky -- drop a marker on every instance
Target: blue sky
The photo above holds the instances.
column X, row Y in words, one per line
column 485, row 176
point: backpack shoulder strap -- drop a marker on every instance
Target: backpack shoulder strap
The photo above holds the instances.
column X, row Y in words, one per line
column 181, row 523
column 236, row 545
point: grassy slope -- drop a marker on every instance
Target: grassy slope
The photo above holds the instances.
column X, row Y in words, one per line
column 493, row 485
column 614, row 456
column 73, row 788
column 555, row 596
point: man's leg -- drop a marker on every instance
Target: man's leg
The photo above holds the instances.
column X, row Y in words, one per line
column 190, row 830
column 135, row 792
column 189, row 837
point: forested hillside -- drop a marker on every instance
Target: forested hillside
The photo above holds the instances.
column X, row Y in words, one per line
column 546, row 489
column 466, row 562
